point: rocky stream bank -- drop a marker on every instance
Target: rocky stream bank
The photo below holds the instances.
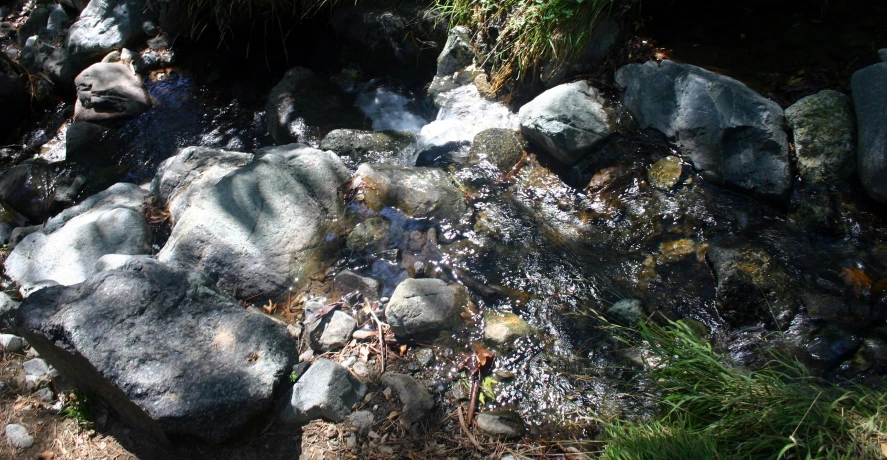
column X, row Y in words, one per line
column 342, row 261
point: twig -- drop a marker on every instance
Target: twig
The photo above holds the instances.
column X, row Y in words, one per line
column 466, row 431
column 472, row 406
column 382, row 346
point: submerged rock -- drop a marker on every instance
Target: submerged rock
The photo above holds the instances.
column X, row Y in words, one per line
column 415, row 399
column 105, row 25
column 568, row 121
column 824, row 128
column 627, row 312
column 347, row 282
column 423, row 308
column 502, row 424
column 732, row 135
column 262, row 227
column 375, row 234
column 66, row 250
column 869, row 87
column 418, row 192
column 325, row 391
column 108, row 91
column 665, row 173
column 392, row 147
column 503, row 328
column 163, row 348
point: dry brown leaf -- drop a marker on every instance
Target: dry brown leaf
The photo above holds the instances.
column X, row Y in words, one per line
column 856, row 279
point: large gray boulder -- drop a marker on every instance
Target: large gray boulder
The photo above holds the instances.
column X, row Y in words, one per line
column 824, row 128
column 66, row 250
column 418, row 192
column 262, row 227
column 163, row 348
column 568, row 121
column 325, row 391
column 869, row 87
column 423, row 308
column 108, row 91
column 732, row 135
column 105, row 25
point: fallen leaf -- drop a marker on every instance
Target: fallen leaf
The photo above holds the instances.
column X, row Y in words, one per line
column 484, row 356
column 403, row 349
column 856, row 279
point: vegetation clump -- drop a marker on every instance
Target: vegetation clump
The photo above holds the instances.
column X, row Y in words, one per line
column 528, row 35
column 712, row 409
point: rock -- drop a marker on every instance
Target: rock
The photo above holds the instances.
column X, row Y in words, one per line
column 869, row 87
column 628, row 312
column 66, row 249
column 332, row 332
column 260, row 228
column 882, row 53
column 443, row 83
column 665, row 173
column 503, row 328
column 302, row 107
column 392, row 147
column 824, row 128
column 423, row 308
column 7, row 30
column 418, row 192
column 425, row 356
column 34, row 24
column 90, row 141
column 11, row 343
column 457, row 52
column 105, row 25
column 58, row 19
column 568, row 121
column 373, row 36
column 415, row 398
column 45, row 395
column 501, row 147
column 26, row 190
column 375, row 234
column 108, row 91
column 168, row 352
column 19, row 233
column 14, row 98
column 362, row 421
column 37, row 367
column 501, row 424
column 732, row 135
column 347, row 282
column 8, row 310
column 17, row 436
column 752, row 287
column 61, row 68
column 327, row 391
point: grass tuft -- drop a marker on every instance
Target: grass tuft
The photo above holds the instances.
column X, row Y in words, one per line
column 712, row 409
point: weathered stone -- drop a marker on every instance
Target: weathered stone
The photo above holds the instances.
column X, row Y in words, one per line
column 418, row 192
column 423, row 308
column 457, row 52
column 501, row 147
column 105, row 25
column 375, row 234
column 66, row 249
column 109, row 91
column 393, row 147
column 824, row 128
column 163, row 348
column 362, row 421
column 332, row 332
column 502, row 424
column 568, row 121
column 415, row 398
column 11, row 343
column 17, row 436
column 869, row 87
column 327, row 390
column 347, row 282
column 24, row 189
column 665, row 173
column 503, row 328
column 262, row 227
column 628, row 312
column 732, row 135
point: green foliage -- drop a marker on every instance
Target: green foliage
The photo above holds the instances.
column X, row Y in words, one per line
column 81, row 406
column 294, row 377
column 712, row 409
column 534, row 32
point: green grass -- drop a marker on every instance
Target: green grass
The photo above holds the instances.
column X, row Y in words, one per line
column 712, row 409
column 533, row 32
column 80, row 406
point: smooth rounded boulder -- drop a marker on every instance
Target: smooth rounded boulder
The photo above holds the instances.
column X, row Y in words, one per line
column 423, row 308
column 105, row 25
column 733, row 135
column 166, row 350
column 108, row 91
column 869, row 87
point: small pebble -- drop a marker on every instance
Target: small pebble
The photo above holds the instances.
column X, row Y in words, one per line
column 306, row 355
column 365, row 335
column 351, row 441
column 11, row 343
column 387, row 450
column 37, row 367
column 45, row 395
column 331, row 431
column 18, row 436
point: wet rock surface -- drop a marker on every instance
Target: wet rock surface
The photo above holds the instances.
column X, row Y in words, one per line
column 869, row 92
column 370, row 146
column 732, row 135
column 165, row 349
column 418, row 192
